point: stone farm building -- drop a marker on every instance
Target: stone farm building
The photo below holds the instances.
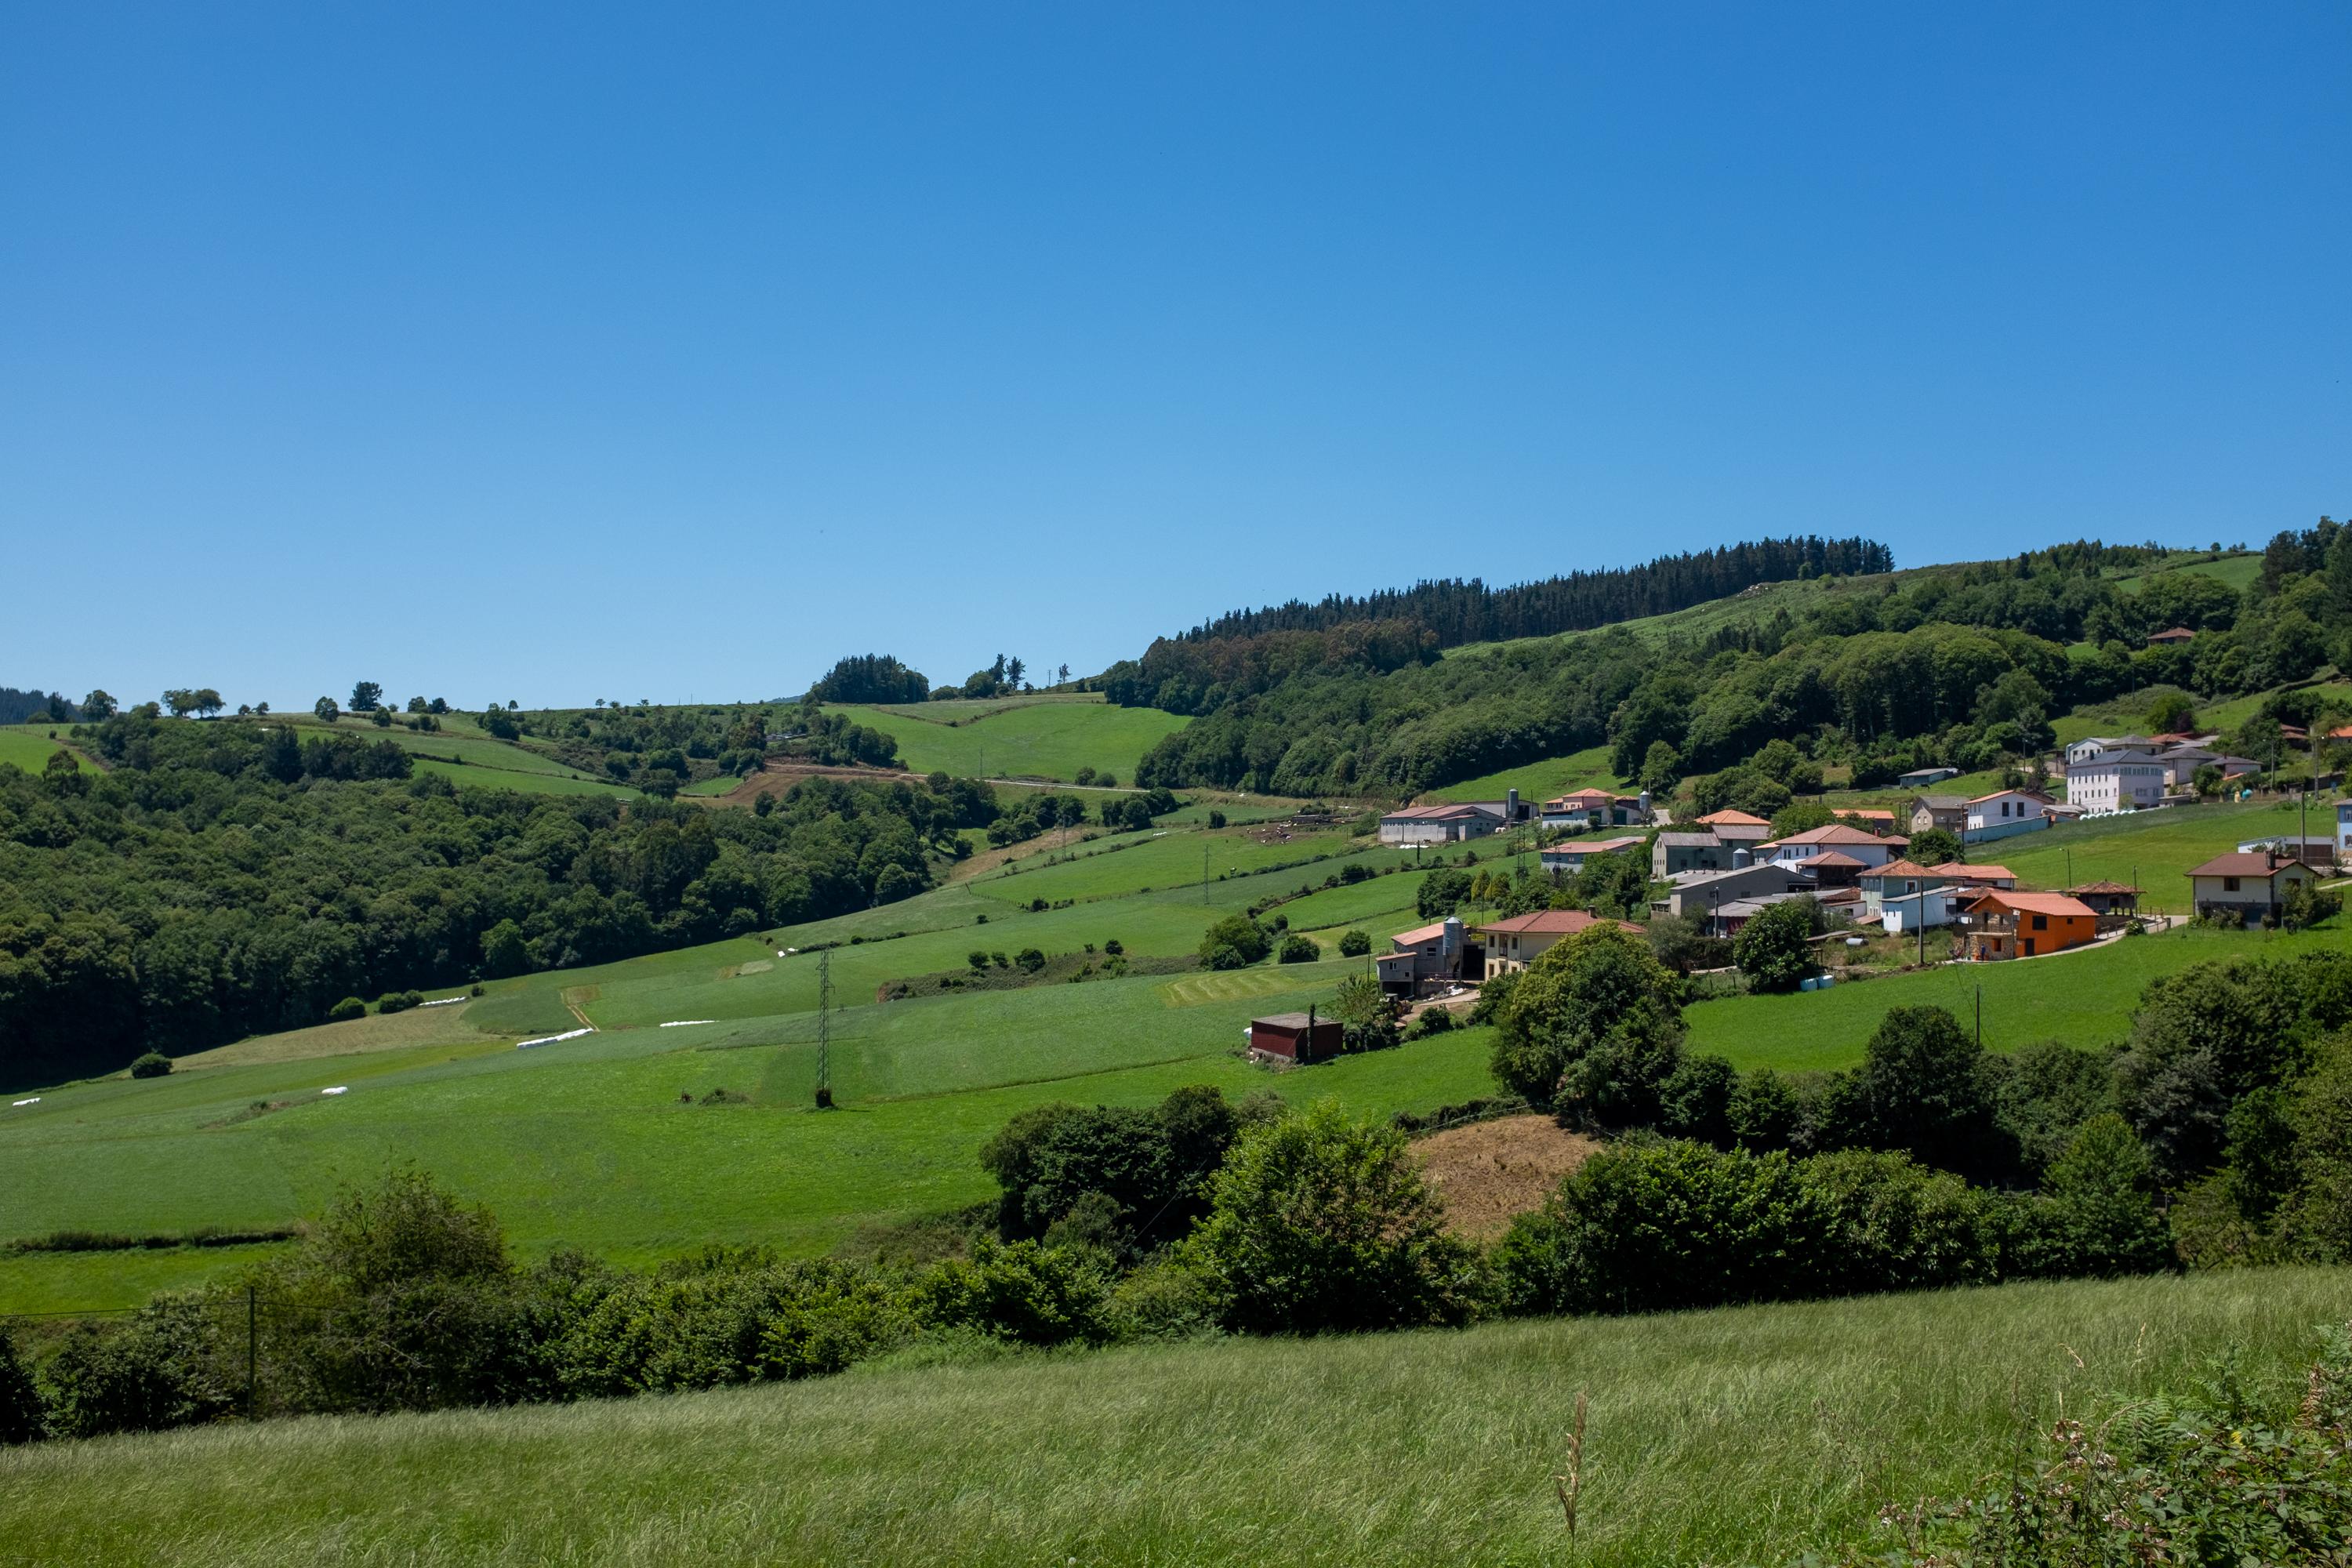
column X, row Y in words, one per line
column 1430, row 958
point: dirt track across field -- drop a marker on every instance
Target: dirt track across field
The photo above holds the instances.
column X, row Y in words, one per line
column 1491, row 1171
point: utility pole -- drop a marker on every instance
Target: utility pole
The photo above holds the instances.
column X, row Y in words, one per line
column 1204, row 877
column 824, row 1031
column 1979, row 1014
column 252, row 1347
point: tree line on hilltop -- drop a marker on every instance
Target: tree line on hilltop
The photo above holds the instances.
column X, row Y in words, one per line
column 1963, row 668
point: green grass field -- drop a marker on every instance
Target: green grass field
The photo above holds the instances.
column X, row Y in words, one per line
column 29, row 745
column 2084, row 998
column 1047, row 739
column 1537, row 781
column 1744, row 1435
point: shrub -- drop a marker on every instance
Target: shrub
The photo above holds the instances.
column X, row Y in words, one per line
column 1441, row 893
column 1216, row 819
column 725, row 1319
column 1242, row 934
column 2213, row 1477
column 1432, row 1021
column 155, row 1064
column 1021, row 1291
column 1368, row 1018
column 2099, row 1213
column 1657, row 1225
column 344, row 1011
column 1922, row 1087
column 1030, row 959
column 1299, row 950
column 1764, row 1112
column 1113, row 947
column 24, row 1416
column 157, row 1372
column 1320, row 1222
column 1774, row 949
column 399, row 1000
column 977, row 958
column 1695, row 1101
column 1152, row 1165
column 1593, row 1025
column 1898, row 1226
column 400, row 1297
column 1224, row 955
column 1354, row 944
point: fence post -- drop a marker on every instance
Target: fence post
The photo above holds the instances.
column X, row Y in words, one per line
column 252, row 1344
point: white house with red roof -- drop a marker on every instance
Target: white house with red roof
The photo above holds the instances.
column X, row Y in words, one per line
column 2251, row 884
column 1869, row 849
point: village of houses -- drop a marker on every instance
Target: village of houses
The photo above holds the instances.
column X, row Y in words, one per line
column 1722, row 867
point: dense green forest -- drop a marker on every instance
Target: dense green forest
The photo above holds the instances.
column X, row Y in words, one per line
column 1462, row 612
column 1964, row 666
column 231, row 876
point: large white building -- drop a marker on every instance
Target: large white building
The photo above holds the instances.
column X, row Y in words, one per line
column 2118, row 781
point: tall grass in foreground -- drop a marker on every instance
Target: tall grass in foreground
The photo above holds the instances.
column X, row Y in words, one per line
column 1737, row 1435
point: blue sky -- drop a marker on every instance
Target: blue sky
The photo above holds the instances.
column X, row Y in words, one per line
column 557, row 353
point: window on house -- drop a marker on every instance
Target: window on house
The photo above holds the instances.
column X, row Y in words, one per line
column 2228, row 884
column 2042, row 922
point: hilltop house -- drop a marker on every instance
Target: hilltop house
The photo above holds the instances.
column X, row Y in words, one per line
column 1569, row 858
column 1867, row 848
column 1949, row 812
column 2118, row 781
column 2091, row 748
column 1513, row 944
column 1590, row 808
column 2170, row 635
column 1427, row 958
column 2027, row 925
column 1716, row 821
column 1896, row 879
column 2252, row 885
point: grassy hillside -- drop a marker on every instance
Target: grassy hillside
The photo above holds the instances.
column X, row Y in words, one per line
column 29, row 745
column 1027, row 739
column 587, row 1143
column 2084, row 998
column 1746, row 1435
column 1586, row 769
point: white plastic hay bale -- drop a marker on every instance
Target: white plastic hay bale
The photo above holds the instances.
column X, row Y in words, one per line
column 685, row 1023
column 552, row 1040
column 339, row 1089
column 21, row 1103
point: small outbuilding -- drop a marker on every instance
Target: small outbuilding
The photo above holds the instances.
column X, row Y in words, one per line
column 1296, row 1037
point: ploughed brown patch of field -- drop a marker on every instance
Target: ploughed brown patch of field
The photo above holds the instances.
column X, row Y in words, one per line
column 1491, row 1171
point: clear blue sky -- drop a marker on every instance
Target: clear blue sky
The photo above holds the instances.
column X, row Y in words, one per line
column 637, row 351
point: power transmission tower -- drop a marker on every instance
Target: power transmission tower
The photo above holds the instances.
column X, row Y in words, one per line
column 824, row 1031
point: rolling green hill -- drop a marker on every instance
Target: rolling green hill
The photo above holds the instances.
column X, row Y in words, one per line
column 1021, row 737
column 1747, row 1434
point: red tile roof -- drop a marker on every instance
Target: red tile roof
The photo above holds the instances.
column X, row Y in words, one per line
column 1548, row 923
column 2028, row 793
column 2106, row 889
column 1419, row 934
column 1899, row 869
column 2039, row 904
column 1966, row 873
column 1719, row 819
column 1448, row 809
column 1595, row 845
column 1831, row 858
column 1838, row 833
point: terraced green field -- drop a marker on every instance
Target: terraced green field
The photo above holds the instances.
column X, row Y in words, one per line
column 1034, row 739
